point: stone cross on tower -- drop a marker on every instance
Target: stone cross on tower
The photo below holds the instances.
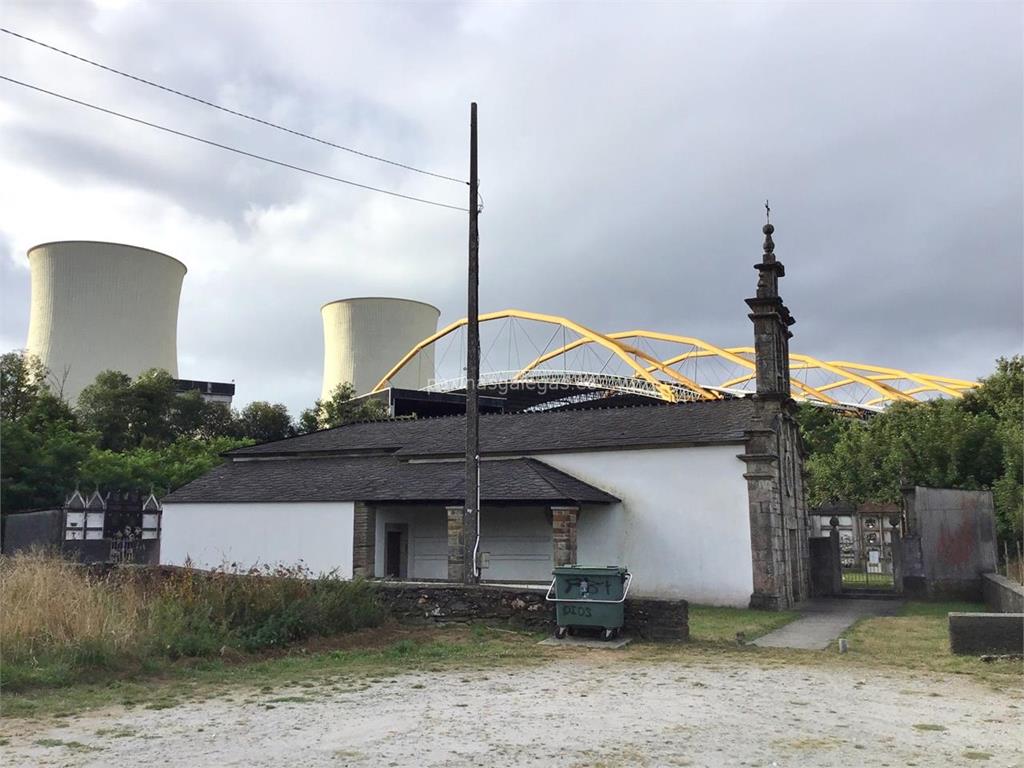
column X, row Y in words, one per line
column 771, row 321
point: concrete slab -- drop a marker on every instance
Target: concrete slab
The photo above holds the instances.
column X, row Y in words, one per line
column 823, row 620
column 588, row 642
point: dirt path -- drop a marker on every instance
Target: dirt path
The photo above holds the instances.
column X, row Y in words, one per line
column 580, row 711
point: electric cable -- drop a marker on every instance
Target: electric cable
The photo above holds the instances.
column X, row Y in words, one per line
column 243, row 152
column 228, row 110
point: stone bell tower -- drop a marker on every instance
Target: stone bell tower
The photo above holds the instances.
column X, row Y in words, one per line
column 771, row 321
column 774, row 452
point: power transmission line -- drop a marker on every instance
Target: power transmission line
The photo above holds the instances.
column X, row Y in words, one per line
column 231, row 149
column 254, row 119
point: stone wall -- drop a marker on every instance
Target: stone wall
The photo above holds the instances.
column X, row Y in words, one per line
column 364, row 540
column 1001, row 594
column 975, row 634
column 950, row 543
column 32, row 530
column 428, row 603
column 563, row 533
column 779, row 525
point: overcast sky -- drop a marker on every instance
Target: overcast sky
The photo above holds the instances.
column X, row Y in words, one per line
column 625, row 155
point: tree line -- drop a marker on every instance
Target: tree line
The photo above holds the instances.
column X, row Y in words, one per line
column 131, row 433
column 976, row 442
column 140, row 433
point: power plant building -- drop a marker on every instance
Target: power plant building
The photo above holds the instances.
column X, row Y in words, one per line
column 104, row 306
column 365, row 337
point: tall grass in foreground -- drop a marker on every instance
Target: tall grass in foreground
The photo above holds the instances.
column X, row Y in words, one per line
column 60, row 623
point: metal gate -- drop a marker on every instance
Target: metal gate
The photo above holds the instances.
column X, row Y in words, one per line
column 869, row 554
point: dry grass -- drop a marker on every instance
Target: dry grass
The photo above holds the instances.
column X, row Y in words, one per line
column 47, row 605
column 59, row 624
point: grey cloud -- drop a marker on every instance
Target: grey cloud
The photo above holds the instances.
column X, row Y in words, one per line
column 625, row 156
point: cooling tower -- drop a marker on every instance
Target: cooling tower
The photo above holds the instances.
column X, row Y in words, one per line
column 364, row 338
column 103, row 306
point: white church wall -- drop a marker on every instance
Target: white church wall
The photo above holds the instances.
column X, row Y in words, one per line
column 315, row 534
column 683, row 526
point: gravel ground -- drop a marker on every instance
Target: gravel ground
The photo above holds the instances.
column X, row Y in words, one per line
column 589, row 710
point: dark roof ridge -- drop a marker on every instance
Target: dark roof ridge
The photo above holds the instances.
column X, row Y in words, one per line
column 483, row 416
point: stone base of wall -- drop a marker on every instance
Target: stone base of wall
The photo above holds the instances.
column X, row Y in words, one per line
column 1002, row 595
column 426, row 603
column 760, row 601
column 975, row 634
column 421, row 603
column 921, row 588
column 658, row 619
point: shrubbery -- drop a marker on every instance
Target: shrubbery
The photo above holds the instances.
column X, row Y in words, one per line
column 59, row 623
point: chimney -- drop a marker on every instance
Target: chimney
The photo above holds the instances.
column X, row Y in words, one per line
column 771, row 321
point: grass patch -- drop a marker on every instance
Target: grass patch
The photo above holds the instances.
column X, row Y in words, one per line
column 861, row 579
column 74, row 746
column 62, row 625
column 919, row 639
column 720, row 625
column 939, row 610
column 380, row 653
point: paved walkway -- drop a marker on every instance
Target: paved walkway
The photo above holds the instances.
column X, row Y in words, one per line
column 823, row 620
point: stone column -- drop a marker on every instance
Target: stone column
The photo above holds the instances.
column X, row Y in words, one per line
column 364, row 540
column 456, row 563
column 563, row 534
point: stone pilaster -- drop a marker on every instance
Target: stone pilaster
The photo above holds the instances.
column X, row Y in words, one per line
column 456, row 540
column 563, row 534
column 779, row 526
column 364, row 540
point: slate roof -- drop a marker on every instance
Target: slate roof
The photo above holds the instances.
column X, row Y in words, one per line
column 700, row 423
column 384, row 479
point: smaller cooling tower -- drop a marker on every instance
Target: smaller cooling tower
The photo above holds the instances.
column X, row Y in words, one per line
column 102, row 306
column 364, row 338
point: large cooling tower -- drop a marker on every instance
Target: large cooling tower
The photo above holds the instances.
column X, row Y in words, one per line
column 103, row 306
column 364, row 338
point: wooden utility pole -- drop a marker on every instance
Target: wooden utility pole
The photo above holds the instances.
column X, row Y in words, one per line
column 471, row 511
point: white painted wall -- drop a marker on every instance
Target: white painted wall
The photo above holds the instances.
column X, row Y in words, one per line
column 518, row 543
column 517, row 540
column 428, row 539
column 315, row 533
column 683, row 526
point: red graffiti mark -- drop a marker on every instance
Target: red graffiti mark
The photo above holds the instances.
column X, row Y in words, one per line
column 957, row 548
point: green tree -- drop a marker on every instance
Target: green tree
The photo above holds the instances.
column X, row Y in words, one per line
column 105, row 408
column 192, row 416
column 149, row 412
column 41, row 442
column 340, row 408
column 22, row 380
column 263, row 421
column 973, row 443
column 163, row 469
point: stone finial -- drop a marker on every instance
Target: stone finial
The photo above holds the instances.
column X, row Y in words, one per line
column 769, row 245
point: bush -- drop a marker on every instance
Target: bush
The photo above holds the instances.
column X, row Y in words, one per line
column 59, row 623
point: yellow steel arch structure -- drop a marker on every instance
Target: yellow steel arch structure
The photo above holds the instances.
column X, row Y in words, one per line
column 838, row 383
column 624, row 352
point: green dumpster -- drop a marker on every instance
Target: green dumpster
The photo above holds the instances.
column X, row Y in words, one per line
column 589, row 596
